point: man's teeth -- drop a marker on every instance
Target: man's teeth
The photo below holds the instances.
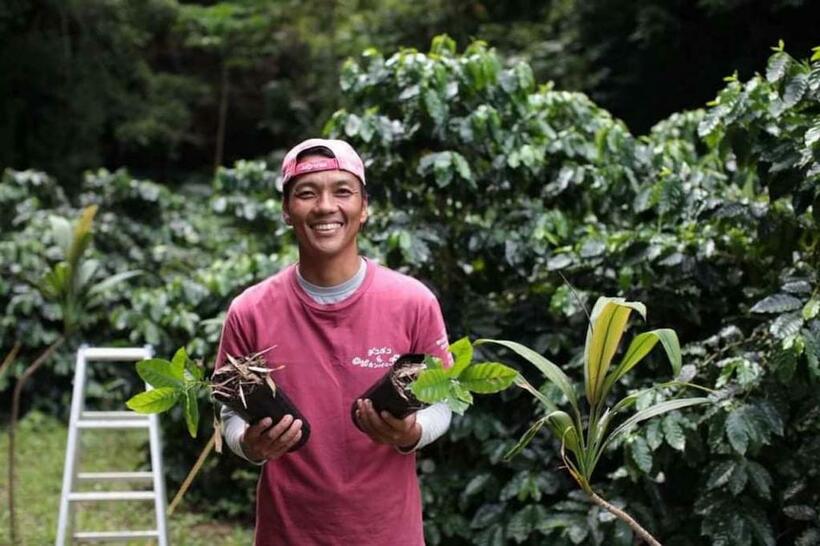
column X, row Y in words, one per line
column 327, row 227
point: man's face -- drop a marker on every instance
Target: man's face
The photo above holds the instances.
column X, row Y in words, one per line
column 326, row 210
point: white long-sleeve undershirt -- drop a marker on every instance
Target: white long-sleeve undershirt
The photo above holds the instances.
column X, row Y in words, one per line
column 433, row 420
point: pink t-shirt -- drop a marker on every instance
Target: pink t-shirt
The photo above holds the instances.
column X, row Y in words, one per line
column 341, row 488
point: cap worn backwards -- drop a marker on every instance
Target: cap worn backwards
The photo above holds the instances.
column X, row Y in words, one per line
column 344, row 158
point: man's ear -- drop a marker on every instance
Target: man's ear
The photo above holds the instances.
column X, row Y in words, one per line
column 286, row 216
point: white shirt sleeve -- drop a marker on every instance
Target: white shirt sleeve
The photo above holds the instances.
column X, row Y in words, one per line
column 434, row 421
column 233, row 428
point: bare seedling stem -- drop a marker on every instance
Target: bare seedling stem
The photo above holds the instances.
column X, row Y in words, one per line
column 626, row 518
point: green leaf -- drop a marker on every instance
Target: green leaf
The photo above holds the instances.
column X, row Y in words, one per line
column 524, row 384
column 158, row 372
column 776, row 303
column 607, row 325
column 463, row 354
column 61, row 229
column 721, row 474
column 776, row 68
column 154, row 401
column 673, row 432
column 487, row 377
column 641, row 455
column 431, row 386
column 563, row 427
column 739, row 479
column 800, row 512
column 552, row 372
column 105, row 285
column 178, row 362
column 811, row 309
column 795, row 89
column 526, row 438
column 760, row 479
column 456, row 405
column 640, row 347
column 738, row 429
column 191, row 410
column 654, row 435
column 524, row 522
column 652, row 411
column 786, row 325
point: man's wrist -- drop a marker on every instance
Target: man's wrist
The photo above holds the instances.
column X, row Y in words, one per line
column 411, row 446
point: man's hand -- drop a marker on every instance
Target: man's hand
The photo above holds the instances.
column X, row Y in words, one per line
column 262, row 442
column 385, row 429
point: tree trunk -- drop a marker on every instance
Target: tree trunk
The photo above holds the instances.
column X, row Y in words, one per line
column 15, row 413
column 222, row 117
column 623, row 516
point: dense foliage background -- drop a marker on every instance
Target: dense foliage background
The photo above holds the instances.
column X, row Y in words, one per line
column 500, row 192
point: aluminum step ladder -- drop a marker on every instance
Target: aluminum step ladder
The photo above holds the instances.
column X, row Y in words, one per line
column 80, row 420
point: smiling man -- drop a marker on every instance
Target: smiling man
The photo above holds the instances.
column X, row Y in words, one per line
column 336, row 322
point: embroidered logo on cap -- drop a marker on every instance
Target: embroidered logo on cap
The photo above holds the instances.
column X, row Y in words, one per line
column 326, row 164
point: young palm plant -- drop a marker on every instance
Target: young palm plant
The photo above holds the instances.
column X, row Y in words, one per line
column 71, row 283
column 585, row 438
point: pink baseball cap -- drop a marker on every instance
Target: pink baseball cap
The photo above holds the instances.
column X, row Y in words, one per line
column 344, row 158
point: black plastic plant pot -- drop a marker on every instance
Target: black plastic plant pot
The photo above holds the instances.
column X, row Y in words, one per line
column 261, row 402
column 392, row 392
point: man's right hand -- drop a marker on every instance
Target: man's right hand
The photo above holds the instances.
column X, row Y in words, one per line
column 262, row 442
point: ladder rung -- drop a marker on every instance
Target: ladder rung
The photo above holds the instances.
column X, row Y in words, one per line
column 114, row 415
column 115, row 353
column 113, row 423
column 100, row 536
column 115, row 476
column 93, row 496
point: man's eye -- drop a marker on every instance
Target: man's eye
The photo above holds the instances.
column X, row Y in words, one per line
column 344, row 192
column 305, row 194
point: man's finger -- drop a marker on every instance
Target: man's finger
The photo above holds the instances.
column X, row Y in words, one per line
column 253, row 432
column 276, row 431
column 399, row 424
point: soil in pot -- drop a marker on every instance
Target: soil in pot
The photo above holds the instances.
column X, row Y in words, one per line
column 392, row 392
column 245, row 385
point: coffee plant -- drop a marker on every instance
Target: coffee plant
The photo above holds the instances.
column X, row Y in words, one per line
column 518, row 203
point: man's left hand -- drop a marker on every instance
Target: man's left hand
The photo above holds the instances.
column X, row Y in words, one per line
column 383, row 428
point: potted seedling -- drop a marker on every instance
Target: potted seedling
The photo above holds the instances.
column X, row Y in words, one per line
column 585, row 437
column 417, row 380
column 243, row 383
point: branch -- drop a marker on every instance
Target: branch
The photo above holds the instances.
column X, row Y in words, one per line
column 15, row 413
column 617, row 512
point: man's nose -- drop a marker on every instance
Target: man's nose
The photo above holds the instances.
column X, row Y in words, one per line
column 326, row 201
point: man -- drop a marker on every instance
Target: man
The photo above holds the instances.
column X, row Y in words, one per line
column 336, row 322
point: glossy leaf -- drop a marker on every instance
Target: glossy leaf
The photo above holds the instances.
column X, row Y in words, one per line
column 158, row 373
column 487, row 377
column 191, row 410
column 607, row 324
column 154, row 400
column 552, row 372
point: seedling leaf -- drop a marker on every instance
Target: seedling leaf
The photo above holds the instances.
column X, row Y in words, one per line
column 191, row 412
column 432, row 385
column 463, row 352
column 158, row 373
column 487, row 377
column 154, row 401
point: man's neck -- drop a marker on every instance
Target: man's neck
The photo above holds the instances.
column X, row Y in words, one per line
column 329, row 271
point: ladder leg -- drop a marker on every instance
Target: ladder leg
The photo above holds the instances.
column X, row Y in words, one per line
column 72, row 445
column 159, row 480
